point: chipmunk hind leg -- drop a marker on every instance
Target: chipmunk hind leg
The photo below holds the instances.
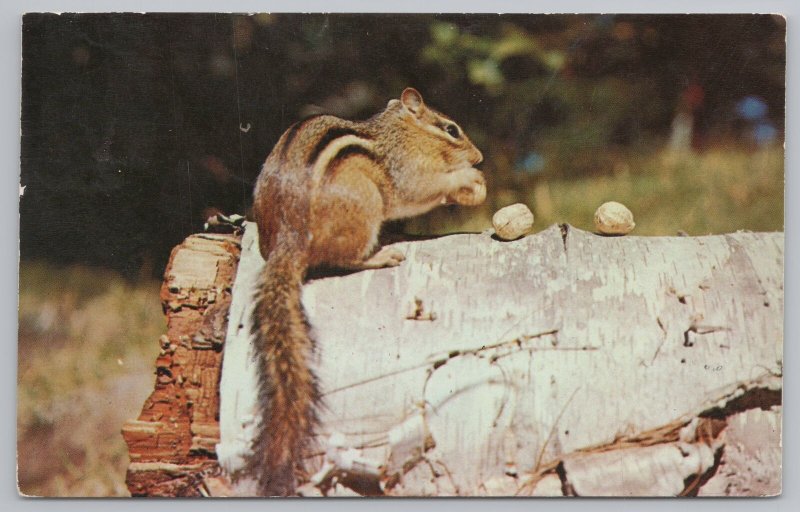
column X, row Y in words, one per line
column 346, row 216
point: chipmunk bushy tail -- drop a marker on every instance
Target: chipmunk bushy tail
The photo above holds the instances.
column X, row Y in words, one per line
column 288, row 394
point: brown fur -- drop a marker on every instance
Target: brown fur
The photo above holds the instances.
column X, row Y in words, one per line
column 321, row 198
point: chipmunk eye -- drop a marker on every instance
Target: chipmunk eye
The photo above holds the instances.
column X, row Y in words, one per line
column 452, row 130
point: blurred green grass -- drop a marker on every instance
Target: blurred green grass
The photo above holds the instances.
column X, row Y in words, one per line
column 87, row 342
column 720, row 190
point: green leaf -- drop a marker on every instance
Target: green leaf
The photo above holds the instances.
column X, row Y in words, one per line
column 444, row 34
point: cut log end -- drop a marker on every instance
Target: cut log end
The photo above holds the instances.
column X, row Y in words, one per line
column 172, row 443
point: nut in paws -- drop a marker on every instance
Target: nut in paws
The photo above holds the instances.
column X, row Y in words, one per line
column 472, row 195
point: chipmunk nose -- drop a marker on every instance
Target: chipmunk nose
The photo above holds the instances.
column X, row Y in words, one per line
column 476, row 157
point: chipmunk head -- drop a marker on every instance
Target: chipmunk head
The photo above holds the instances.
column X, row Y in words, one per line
column 435, row 130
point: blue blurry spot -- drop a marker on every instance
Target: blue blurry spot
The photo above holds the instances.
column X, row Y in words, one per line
column 764, row 133
column 751, row 108
column 533, row 163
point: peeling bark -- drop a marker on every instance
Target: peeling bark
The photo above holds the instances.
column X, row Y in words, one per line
column 172, row 443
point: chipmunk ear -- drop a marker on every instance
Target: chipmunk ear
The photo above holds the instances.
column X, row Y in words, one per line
column 412, row 101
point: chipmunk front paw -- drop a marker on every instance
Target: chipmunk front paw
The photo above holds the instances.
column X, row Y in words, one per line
column 386, row 257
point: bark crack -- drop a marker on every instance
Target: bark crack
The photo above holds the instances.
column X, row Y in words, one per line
column 763, row 398
column 566, row 487
column 564, row 233
column 693, row 483
column 699, row 330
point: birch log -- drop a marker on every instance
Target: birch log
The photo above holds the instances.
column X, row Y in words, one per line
column 563, row 363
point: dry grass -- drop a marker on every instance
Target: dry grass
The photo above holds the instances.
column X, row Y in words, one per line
column 719, row 191
column 87, row 341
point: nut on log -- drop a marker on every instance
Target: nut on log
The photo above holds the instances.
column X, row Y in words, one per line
column 513, row 221
column 613, row 218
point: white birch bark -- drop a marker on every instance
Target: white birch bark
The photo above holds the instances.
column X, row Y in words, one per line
column 561, row 363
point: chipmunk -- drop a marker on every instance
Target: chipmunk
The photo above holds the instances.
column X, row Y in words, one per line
column 320, row 200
